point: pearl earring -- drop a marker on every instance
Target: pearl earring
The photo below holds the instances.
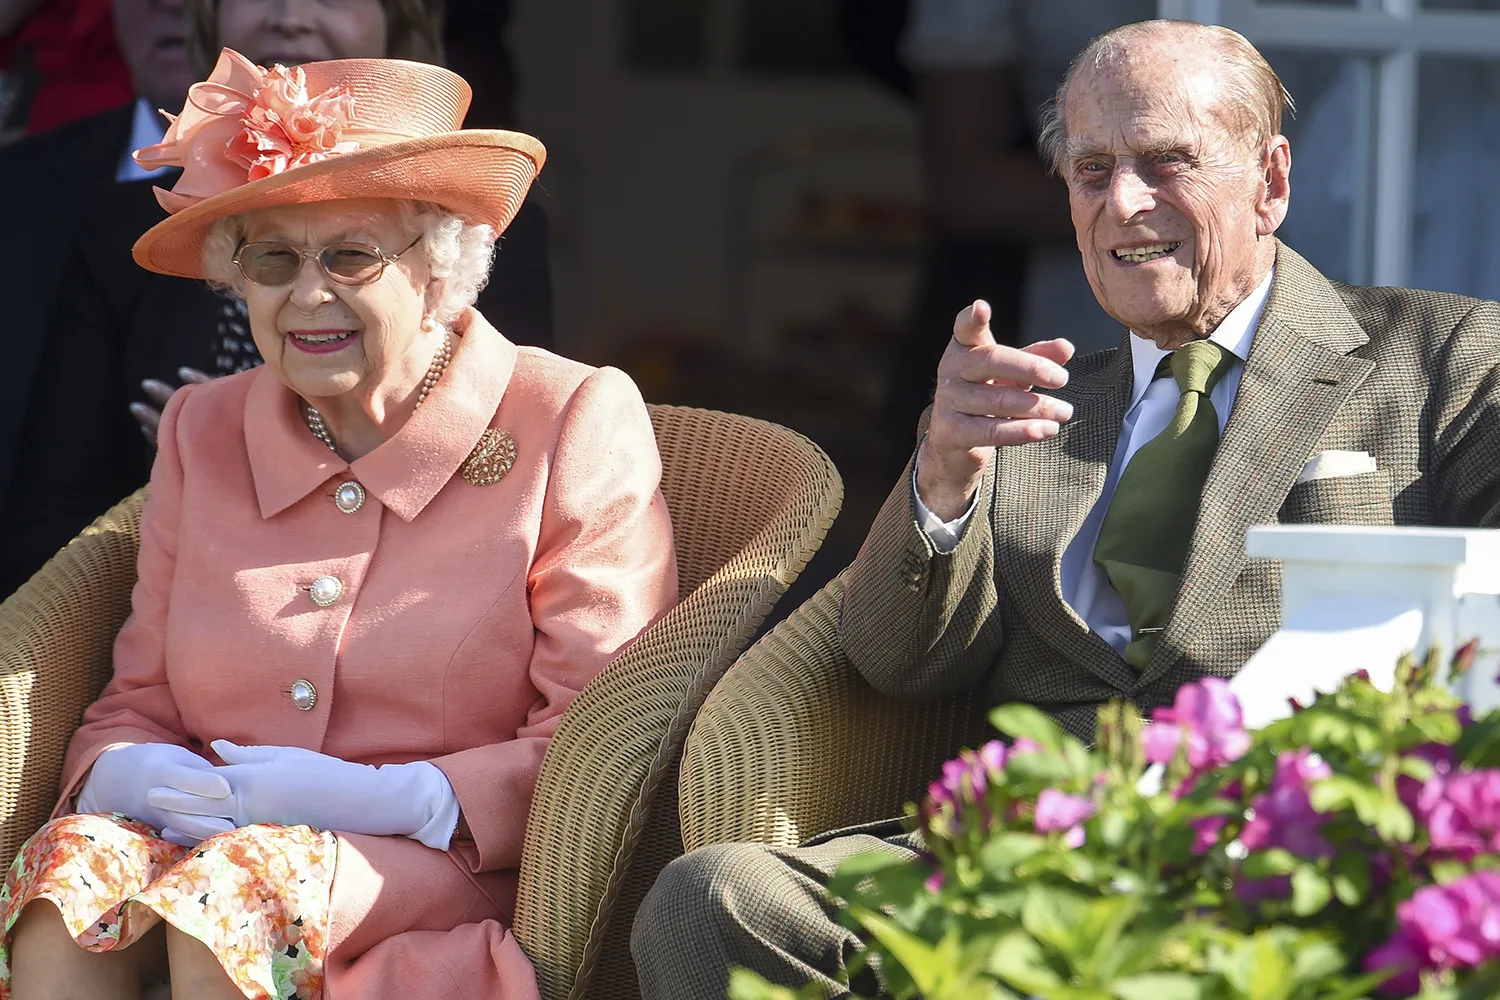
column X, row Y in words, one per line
column 428, row 325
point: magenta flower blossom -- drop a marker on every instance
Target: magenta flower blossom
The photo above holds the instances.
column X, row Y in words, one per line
column 1206, row 830
column 959, row 793
column 966, row 777
column 1461, row 811
column 1057, row 811
column 1442, row 927
column 1206, row 716
column 1283, row 817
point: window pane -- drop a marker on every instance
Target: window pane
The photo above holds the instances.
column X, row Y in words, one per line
column 1455, row 199
column 1328, row 218
column 666, row 35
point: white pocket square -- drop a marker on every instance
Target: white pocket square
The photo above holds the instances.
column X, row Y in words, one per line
column 1335, row 464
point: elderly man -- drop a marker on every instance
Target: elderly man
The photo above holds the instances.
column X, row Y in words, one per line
column 1071, row 535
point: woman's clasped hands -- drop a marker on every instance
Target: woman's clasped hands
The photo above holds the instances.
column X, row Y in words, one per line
column 190, row 800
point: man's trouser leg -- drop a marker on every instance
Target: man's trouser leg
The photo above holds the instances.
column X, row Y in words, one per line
column 754, row 906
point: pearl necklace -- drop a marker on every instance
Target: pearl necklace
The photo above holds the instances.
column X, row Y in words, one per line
column 440, row 361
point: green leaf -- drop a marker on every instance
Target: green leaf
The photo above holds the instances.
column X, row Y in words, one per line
column 1018, row 721
column 928, row 967
column 862, row 866
column 1258, row 968
column 1418, row 768
column 1159, row 986
column 746, row 985
column 1351, row 878
column 1019, row 961
column 1360, row 987
column 1393, row 821
column 1000, row 856
column 1434, row 727
column 1314, row 961
column 1270, row 862
column 1310, row 891
column 1053, row 917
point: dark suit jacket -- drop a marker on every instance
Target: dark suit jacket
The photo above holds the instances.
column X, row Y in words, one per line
column 47, row 184
column 1411, row 377
column 76, row 449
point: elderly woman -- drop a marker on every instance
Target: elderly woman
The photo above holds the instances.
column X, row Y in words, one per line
column 373, row 573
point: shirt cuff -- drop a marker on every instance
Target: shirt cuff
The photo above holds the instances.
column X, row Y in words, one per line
column 944, row 535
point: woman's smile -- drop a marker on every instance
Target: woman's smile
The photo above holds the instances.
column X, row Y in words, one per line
column 321, row 341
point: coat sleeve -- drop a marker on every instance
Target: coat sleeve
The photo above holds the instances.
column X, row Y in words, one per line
column 1465, row 418
column 915, row 622
column 137, row 705
column 604, row 570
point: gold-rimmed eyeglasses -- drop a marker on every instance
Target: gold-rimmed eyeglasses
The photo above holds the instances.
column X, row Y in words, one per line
column 271, row 262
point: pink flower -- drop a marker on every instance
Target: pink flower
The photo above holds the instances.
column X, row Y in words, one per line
column 1206, row 830
column 1442, row 927
column 1057, row 810
column 1206, row 717
column 962, row 786
column 1461, row 812
column 1284, row 817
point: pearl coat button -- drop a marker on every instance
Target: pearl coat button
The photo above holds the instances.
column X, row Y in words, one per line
column 304, row 695
column 349, row 497
column 325, row 590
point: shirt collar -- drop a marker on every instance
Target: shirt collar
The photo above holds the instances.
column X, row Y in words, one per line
column 287, row 463
column 146, row 129
column 1234, row 334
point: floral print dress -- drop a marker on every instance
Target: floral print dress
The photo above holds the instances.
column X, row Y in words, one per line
column 257, row 896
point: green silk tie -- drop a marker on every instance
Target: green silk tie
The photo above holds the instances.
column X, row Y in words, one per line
column 1143, row 542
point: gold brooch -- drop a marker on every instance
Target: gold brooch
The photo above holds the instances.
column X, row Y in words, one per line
column 491, row 458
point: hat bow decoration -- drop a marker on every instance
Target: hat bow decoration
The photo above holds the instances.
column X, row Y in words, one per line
column 244, row 123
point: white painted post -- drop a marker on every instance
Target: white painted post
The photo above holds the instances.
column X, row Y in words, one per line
column 1356, row 597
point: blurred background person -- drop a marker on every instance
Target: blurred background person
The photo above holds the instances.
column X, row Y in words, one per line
column 59, row 62
column 981, row 72
column 51, row 183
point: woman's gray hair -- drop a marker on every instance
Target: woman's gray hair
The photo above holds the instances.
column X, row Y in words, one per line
column 459, row 253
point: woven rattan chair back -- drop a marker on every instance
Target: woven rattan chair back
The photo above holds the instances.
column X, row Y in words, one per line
column 793, row 742
column 750, row 503
column 56, row 636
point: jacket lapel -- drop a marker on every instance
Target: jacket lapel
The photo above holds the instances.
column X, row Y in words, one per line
column 1298, row 375
column 1043, row 494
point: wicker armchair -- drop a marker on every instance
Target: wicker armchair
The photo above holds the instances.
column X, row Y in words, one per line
column 750, row 504
column 793, row 742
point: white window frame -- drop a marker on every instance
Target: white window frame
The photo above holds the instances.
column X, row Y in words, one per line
column 1395, row 35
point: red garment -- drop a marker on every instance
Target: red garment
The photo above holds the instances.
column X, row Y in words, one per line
column 73, row 51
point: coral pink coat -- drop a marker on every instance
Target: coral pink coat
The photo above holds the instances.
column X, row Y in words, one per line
column 470, row 617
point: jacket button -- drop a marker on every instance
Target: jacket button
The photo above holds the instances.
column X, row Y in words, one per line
column 304, row 695
column 326, row 590
column 349, row 497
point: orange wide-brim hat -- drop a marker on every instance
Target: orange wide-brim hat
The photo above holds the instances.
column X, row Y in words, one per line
column 251, row 138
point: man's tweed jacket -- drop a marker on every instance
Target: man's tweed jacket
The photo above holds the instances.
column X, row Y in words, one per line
column 1411, row 377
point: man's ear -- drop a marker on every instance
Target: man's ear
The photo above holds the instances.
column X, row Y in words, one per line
column 1276, row 185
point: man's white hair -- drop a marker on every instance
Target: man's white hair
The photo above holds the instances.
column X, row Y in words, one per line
column 459, row 253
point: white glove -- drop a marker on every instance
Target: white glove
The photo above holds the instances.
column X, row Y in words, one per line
column 295, row 787
column 123, row 779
